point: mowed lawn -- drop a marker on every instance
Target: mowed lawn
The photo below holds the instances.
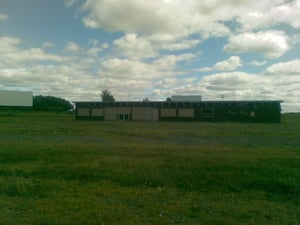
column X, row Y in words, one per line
column 56, row 170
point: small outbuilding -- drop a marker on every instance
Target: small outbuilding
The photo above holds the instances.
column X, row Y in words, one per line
column 186, row 98
column 242, row 111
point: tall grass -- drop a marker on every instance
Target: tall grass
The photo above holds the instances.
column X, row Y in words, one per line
column 56, row 170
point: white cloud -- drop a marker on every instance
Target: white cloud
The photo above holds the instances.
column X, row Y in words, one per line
column 66, row 75
column 8, row 42
column 121, row 75
column 90, row 23
column 167, row 83
column 272, row 44
column 234, row 81
column 135, row 47
column 123, row 69
column 72, row 47
column 131, row 79
column 188, row 17
column 258, row 63
column 155, row 82
column 3, row 17
column 128, row 80
column 131, row 15
column 162, row 38
column 84, row 55
column 11, row 53
column 66, row 81
column 48, row 44
column 169, row 42
column 244, row 86
column 155, row 17
column 230, row 64
column 233, row 85
column 204, row 69
column 286, row 68
column 272, row 15
column 213, row 29
column 70, row 3
column 169, row 62
column 175, row 46
column 159, row 39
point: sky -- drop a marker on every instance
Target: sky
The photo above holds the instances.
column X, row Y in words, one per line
column 137, row 49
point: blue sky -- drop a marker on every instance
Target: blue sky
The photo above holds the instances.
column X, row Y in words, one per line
column 239, row 49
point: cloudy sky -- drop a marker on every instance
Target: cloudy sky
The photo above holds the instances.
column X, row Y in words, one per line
column 220, row 49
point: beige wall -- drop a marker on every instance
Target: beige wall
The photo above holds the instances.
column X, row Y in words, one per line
column 144, row 114
column 136, row 113
column 155, row 116
column 186, row 112
column 110, row 113
column 97, row 112
column 168, row 112
column 83, row 112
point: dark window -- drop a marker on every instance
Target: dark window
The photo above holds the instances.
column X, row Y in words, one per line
column 122, row 117
column 207, row 113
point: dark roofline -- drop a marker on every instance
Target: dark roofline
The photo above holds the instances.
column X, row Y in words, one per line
column 171, row 103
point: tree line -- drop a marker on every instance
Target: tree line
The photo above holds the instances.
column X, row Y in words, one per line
column 51, row 103
column 107, row 96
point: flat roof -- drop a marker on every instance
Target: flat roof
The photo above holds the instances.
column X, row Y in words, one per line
column 171, row 103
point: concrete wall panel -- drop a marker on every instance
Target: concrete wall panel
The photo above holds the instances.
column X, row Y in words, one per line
column 168, row 112
column 97, row 112
column 83, row 112
column 155, row 116
column 144, row 114
column 186, row 112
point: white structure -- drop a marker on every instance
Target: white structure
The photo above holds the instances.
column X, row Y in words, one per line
column 186, row 98
column 16, row 98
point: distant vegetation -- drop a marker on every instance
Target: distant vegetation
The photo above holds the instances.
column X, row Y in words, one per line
column 107, row 96
column 50, row 103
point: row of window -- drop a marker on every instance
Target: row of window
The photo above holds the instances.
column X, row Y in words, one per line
column 124, row 114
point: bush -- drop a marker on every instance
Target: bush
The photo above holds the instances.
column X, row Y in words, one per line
column 50, row 103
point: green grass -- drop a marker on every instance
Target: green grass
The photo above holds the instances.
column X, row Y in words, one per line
column 56, row 170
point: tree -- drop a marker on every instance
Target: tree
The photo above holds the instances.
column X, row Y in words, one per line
column 50, row 103
column 168, row 99
column 146, row 99
column 107, row 96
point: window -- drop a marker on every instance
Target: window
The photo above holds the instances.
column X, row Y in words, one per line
column 207, row 113
column 122, row 117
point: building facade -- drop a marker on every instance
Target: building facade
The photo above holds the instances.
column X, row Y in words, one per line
column 247, row 111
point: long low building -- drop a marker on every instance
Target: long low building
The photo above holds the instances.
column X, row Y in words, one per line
column 252, row 111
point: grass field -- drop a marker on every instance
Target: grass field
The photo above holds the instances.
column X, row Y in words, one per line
column 56, row 170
